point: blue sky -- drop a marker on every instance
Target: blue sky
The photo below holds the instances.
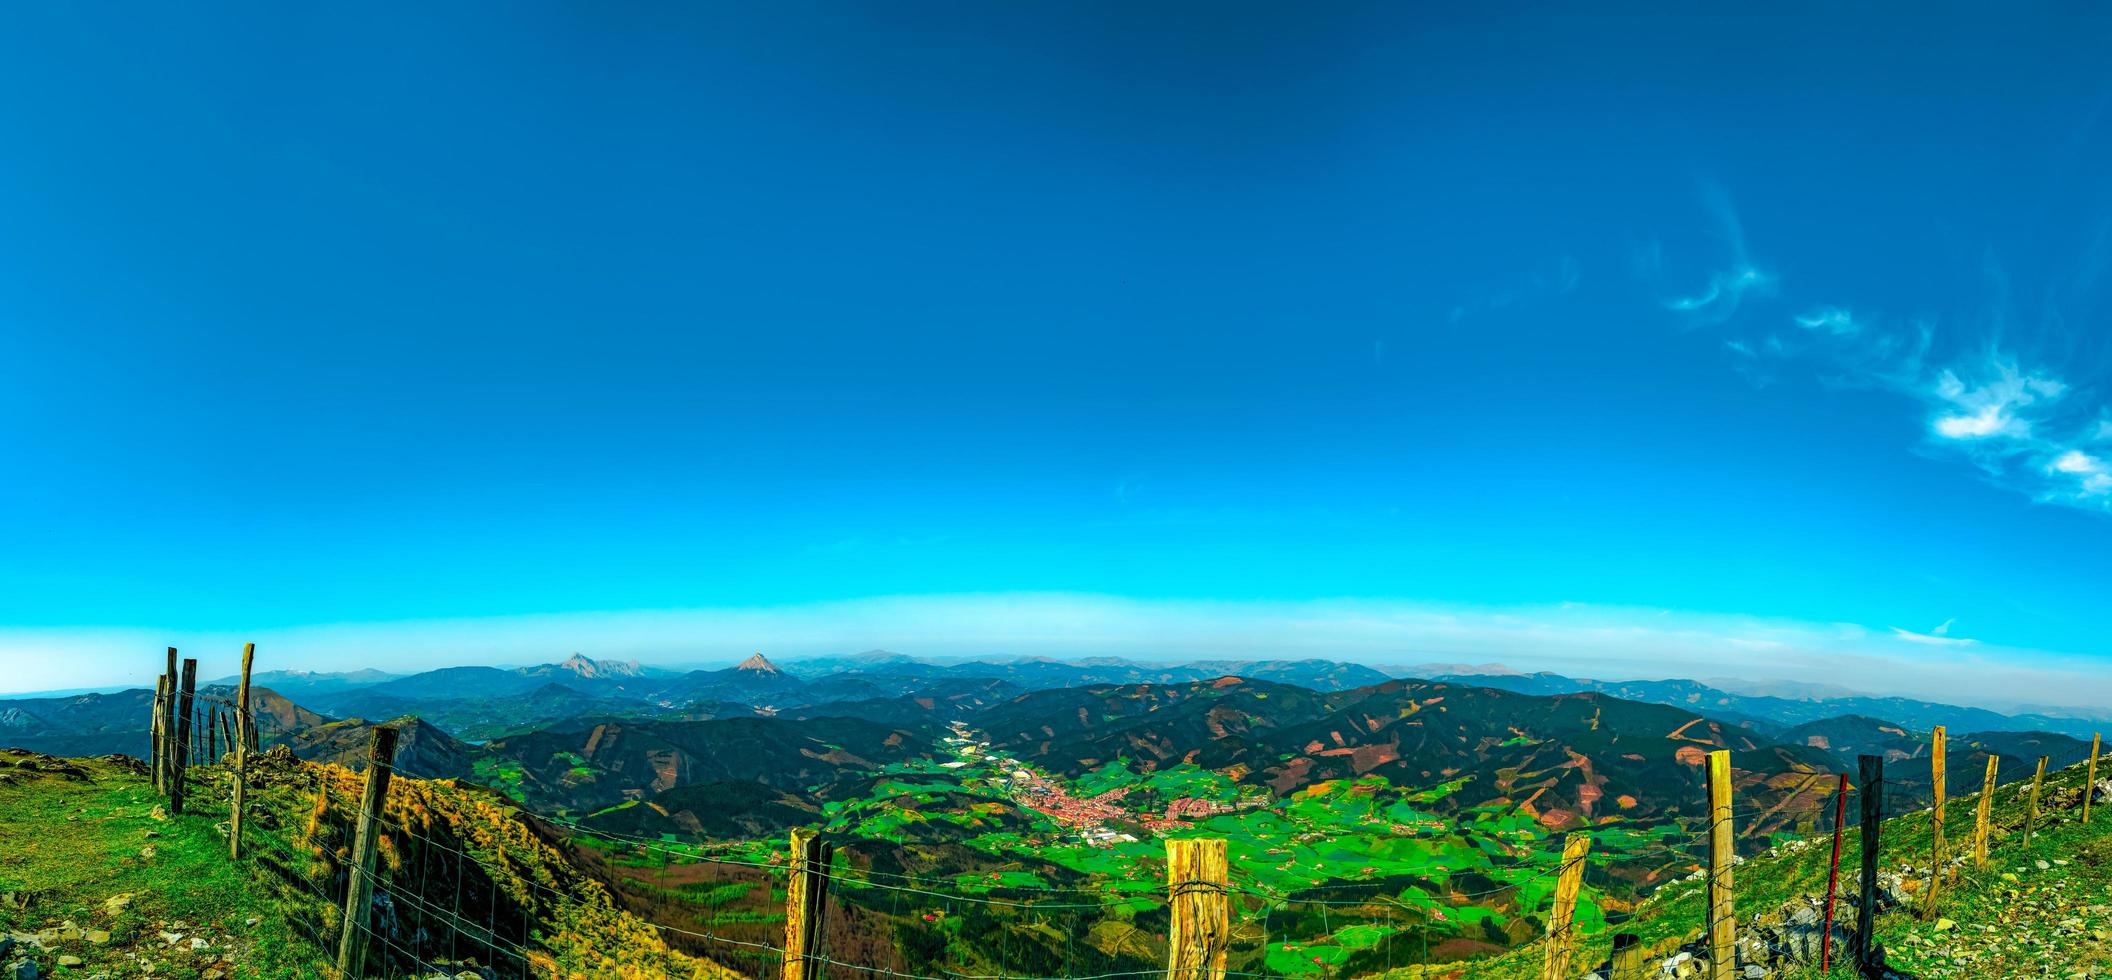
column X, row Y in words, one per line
column 362, row 319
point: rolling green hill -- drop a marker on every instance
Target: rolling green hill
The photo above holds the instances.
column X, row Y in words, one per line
column 97, row 877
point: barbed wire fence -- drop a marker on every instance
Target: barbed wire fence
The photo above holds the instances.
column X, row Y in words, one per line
column 418, row 923
column 429, row 885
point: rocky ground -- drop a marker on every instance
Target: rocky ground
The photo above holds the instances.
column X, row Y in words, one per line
column 2042, row 916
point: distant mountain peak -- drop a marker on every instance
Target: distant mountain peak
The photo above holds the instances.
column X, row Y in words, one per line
column 758, row 663
column 585, row 666
column 879, row 656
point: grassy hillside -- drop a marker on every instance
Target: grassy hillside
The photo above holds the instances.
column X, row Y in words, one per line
column 2042, row 909
column 102, row 879
column 95, row 866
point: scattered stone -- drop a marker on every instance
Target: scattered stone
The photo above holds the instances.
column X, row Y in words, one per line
column 116, row 903
column 147, row 852
column 69, row 961
column 98, row 936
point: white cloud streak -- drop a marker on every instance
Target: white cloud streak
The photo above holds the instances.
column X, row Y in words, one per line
column 1584, row 640
column 2006, row 403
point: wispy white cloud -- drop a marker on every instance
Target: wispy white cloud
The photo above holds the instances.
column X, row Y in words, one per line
column 1725, row 292
column 1992, row 393
column 1719, row 301
column 1993, row 407
column 1940, row 636
column 2025, row 428
column 1586, row 640
column 1830, row 319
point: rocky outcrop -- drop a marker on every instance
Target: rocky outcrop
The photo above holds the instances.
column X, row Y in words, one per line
column 1770, row 942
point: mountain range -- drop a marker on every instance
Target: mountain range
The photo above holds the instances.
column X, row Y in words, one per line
column 581, row 735
column 1772, row 712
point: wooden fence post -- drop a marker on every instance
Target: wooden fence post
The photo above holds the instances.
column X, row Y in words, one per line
column 359, row 898
column 168, row 727
column 241, row 744
column 1980, row 817
column 185, row 701
column 1561, row 938
column 1627, row 956
column 2090, row 776
column 1833, row 874
column 1723, row 925
column 806, row 902
column 1936, row 850
column 2031, row 815
column 1872, row 780
column 156, row 733
column 1201, row 931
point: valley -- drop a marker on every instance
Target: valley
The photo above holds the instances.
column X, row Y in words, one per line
column 1396, row 822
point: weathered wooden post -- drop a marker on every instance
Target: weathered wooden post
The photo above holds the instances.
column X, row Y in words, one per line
column 359, row 898
column 1936, row 855
column 2090, row 775
column 212, row 734
column 241, row 744
column 1833, row 874
column 185, row 701
column 1201, row 931
column 1872, row 779
column 1980, row 815
column 1723, row 925
column 1561, row 938
column 1627, row 956
column 168, row 726
column 797, row 881
column 2031, row 814
column 158, row 734
column 806, row 902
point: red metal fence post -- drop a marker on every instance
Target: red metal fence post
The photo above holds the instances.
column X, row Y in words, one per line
column 1833, row 876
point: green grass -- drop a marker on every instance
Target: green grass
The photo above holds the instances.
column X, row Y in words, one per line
column 73, row 845
column 1976, row 900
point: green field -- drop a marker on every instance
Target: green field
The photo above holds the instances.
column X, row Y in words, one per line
column 1342, row 868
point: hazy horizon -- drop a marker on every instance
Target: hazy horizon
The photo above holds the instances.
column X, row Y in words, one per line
column 1570, row 639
